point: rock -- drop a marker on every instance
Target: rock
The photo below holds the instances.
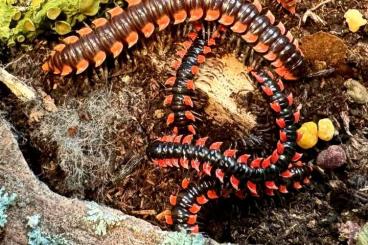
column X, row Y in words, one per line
column 356, row 91
column 326, row 129
column 334, row 51
column 52, row 216
column 333, row 157
column 309, row 135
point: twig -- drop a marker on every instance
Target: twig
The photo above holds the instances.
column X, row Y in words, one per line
column 315, row 17
column 18, row 87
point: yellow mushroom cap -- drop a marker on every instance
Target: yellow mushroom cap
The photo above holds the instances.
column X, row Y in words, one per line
column 309, row 137
column 354, row 19
column 326, row 129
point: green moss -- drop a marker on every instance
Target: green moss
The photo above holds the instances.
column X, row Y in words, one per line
column 30, row 18
column 6, row 201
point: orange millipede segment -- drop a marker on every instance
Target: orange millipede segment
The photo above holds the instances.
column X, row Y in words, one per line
column 114, row 12
column 70, row 40
column 82, row 66
column 100, row 22
column 116, row 48
column 84, row 31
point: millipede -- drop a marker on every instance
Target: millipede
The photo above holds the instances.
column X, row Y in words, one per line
column 182, row 84
column 123, row 28
column 224, row 172
column 267, row 175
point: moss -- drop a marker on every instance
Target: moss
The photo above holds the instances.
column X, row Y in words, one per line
column 101, row 220
column 37, row 237
column 6, row 200
column 33, row 17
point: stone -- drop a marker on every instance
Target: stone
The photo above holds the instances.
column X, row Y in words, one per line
column 331, row 158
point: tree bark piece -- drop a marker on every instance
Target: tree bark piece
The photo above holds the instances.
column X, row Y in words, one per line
column 18, row 87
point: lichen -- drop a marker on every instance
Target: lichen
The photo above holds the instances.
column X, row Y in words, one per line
column 6, row 200
column 363, row 235
column 182, row 238
column 37, row 237
column 101, row 220
column 29, row 18
column 356, row 91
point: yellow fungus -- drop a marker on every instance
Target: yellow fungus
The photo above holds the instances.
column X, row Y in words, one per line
column 309, row 133
column 354, row 19
column 326, row 129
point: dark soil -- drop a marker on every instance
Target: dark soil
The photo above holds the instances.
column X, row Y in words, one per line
column 313, row 215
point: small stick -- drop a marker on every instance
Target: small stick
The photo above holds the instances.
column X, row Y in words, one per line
column 23, row 92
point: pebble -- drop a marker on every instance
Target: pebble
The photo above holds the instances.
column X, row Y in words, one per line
column 333, row 157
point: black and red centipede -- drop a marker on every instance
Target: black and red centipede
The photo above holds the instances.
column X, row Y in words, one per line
column 259, row 29
column 261, row 175
column 122, row 28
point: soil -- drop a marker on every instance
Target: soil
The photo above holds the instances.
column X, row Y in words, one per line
column 132, row 184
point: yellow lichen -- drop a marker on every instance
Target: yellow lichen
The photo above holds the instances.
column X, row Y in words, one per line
column 36, row 16
column 354, row 19
column 309, row 137
column 53, row 13
column 29, row 25
column 326, row 129
column 62, row 27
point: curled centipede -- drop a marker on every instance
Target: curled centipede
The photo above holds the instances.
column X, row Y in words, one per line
column 260, row 175
column 123, row 28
